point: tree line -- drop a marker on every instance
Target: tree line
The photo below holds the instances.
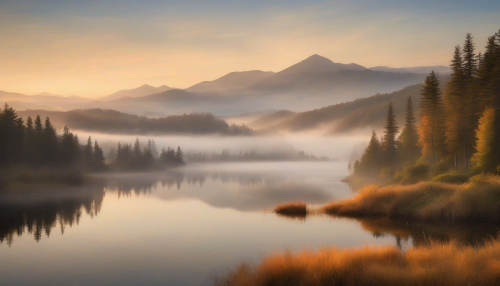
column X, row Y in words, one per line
column 458, row 128
column 38, row 145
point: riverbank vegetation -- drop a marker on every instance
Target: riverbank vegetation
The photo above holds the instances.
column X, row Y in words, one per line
column 456, row 135
column 475, row 201
column 33, row 153
column 430, row 264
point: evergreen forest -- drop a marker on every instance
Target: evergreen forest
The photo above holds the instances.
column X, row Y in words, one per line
column 456, row 134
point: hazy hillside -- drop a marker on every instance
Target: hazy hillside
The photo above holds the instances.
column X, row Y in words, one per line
column 42, row 101
column 110, row 121
column 234, row 80
column 367, row 112
column 136, row 92
column 268, row 120
column 424, row 70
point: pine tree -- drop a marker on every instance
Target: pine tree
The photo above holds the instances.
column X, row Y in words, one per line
column 50, row 143
column 88, row 154
column 389, row 142
column 409, row 151
column 69, row 149
column 29, row 146
column 431, row 131
column 456, row 102
column 369, row 164
column 470, row 59
column 486, row 157
column 485, row 74
column 98, row 158
column 179, row 157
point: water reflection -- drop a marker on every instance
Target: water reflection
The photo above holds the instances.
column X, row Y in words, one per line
column 420, row 233
column 40, row 212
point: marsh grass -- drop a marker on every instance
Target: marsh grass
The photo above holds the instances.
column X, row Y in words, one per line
column 476, row 201
column 292, row 209
column 431, row 264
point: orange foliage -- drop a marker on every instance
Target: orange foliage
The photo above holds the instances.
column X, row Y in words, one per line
column 432, row 264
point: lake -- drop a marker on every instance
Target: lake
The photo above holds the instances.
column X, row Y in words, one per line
column 181, row 227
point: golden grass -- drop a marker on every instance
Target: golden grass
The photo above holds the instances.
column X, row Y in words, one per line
column 478, row 200
column 292, row 209
column 432, row 264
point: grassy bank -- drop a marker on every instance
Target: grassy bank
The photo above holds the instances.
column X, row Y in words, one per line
column 477, row 200
column 432, row 264
column 27, row 178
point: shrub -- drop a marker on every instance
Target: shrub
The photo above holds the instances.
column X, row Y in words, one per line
column 292, row 209
column 478, row 200
column 411, row 175
column 453, row 177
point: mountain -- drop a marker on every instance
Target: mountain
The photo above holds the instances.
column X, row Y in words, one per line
column 312, row 83
column 425, row 70
column 317, row 64
column 234, row 80
column 141, row 91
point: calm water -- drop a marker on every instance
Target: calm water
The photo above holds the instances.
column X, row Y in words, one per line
column 182, row 227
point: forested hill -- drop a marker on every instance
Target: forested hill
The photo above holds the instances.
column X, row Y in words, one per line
column 110, row 121
column 360, row 113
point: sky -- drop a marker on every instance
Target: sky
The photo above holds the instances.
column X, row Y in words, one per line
column 93, row 48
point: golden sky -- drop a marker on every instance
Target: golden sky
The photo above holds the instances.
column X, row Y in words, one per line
column 94, row 48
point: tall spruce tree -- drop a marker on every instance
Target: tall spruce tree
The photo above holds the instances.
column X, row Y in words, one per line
column 456, row 102
column 389, row 142
column 431, row 129
column 408, row 150
column 50, row 144
column 88, row 154
column 370, row 164
column 98, row 158
column 470, row 59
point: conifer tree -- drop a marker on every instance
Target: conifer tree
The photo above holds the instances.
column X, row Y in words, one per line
column 29, row 145
column 409, row 151
column 98, row 158
column 50, row 143
column 88, row 154
column 485, row 74
column 456, row 102
column 69, row 149
column 470, row 60
column 431, row 131
column 369, row 164
column 389, row 142
column 486, row 157
column 179, row 157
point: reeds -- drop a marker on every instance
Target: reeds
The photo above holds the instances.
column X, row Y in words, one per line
column 431, row 264
column 292, row 209
column 476, row 201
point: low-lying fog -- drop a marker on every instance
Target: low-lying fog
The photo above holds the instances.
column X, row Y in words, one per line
column 342, row 148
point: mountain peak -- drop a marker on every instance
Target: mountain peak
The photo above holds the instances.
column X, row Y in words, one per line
column 318, row 64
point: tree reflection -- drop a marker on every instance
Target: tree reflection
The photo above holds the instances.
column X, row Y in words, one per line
column 421, row 233
column 40, row 213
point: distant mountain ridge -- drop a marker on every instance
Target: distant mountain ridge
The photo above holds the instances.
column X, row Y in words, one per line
column 424, row 70
column 141, row 91
column 233, row 80
column 311, row 83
